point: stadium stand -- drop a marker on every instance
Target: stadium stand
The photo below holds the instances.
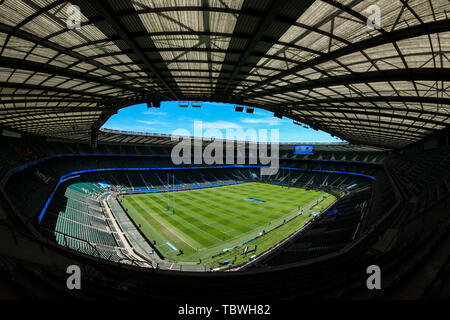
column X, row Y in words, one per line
column 75, row 211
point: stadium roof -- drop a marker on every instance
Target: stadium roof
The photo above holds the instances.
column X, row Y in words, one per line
column 315, row 61
column 165, row 140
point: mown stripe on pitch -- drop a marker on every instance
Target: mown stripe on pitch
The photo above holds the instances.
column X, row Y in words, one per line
column 154, row 223
column 206, row 212
column 254, row 212
column 230, row 209
column 197, row 220
column 185, row 227
column 176, row 232
column 239, row 204
column 161, row 211
column 232, row 214
column 273, row 203
column 222, row 213
column 148, row 226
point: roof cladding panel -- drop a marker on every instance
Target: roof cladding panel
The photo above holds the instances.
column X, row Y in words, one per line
column 315, row 61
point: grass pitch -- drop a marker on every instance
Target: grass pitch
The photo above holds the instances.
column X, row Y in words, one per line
column 207, row 221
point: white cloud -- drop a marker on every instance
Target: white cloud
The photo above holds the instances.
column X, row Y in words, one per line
column 133, row 128
column 221, row 125
column 147, row 122
column 266, row 121
column 155, row 112
column 156, row 123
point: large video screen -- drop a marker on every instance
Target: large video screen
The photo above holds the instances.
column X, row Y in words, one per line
column 303, row 149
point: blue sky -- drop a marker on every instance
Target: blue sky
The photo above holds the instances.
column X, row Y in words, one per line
column 220, row 116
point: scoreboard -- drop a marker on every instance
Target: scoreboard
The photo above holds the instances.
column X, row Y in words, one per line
column 303, row 149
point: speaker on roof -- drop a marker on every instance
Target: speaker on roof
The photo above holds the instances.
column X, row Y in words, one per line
column 156, row 103
column 250, row 110
column 239, row 109
column 94, row 137
column 278, row 114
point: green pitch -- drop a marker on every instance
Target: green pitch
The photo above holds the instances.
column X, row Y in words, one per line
column 207, row 221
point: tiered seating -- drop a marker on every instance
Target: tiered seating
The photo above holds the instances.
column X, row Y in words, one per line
column 82, row 216
column 84, row 247
column 77, row 213
column 372, row 157
column 328, row 234
column 82, row 231
column 304, row 178
column 76, row 219
column 422, row 179
column 413, row 173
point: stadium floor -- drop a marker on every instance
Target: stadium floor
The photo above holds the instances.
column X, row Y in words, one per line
column 207, row 221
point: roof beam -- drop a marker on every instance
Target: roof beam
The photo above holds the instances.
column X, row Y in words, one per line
column 28, row 19
column 47, row 89
column 341, row 127
column 52, row 121
column 58, row 48
column 45, row 118
column 427, row 74
column 18, row 64
column 181, row 33
column 43, row 100
column 105, row 11
column 270, row 15
column 397, row 35
column 342, row 131
column 405, row 99
column 375, row 114
column 374, row 124
column 33, row 112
